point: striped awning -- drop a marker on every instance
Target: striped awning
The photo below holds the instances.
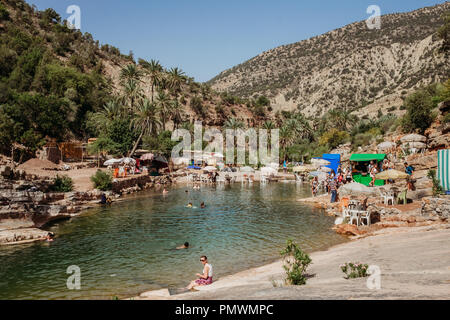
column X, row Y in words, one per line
column 443, row 173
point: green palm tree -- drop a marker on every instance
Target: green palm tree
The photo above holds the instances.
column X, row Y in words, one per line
column 145, row 120
column 268, row 125
column 111, row 110
column 132, row 92
column 165, row 108
column 176, row 113
column 285, row 139
column 130, row 72
column 175, row 77
column 155, row 71
column 234, row 124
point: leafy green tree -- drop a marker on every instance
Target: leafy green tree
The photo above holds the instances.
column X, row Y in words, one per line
column 419, row 114
column 334, row 138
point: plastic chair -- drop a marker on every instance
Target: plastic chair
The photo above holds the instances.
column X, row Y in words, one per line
column 345, row 212
column 365, row 215
column 354, row 215
column 402, row 197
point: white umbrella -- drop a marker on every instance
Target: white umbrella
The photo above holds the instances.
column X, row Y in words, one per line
column 356, row 188
column 210, row 168
column 414, row 138
column 268, row 170
column 386, row 145
column 247, row 169
column 111, row 162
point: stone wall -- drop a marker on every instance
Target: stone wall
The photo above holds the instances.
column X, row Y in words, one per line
column 437, row 207
column 139, row 183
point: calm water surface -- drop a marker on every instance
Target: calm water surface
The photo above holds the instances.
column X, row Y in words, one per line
column 128, row 248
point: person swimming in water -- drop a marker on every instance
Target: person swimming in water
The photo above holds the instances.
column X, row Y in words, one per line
column 190, row 205
column 184, row 246
column 165, row 191
column 50, row 237
column 203, row 206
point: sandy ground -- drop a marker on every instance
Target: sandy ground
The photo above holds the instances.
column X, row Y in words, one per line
column 414, row 264
column 45, row 168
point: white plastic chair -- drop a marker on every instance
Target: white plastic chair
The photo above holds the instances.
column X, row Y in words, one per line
column 263, row 179
column 345, row 212
column 388, row 197
column 354, row 215
column 365, row 215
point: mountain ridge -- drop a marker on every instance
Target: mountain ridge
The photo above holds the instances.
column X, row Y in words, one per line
column 325, row 70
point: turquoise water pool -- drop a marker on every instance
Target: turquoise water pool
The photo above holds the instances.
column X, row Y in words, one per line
column 129, row 247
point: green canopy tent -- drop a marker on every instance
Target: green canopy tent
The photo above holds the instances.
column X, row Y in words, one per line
column 366, row 179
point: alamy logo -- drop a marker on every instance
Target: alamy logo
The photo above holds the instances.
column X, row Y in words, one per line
column 74, row 21
column 374, row 21
column 374, row 280
column 242, row 147
column 74, row 281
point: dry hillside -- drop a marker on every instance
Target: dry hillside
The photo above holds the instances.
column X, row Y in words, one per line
column 352, row 67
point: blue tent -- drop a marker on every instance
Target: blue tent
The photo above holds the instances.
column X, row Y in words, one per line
column 194, row 167
column 334, row 159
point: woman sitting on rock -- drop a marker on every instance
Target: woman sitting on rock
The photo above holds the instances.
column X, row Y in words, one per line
column 205, row 278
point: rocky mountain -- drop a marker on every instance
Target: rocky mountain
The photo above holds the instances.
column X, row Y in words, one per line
column 41, row 56
column 352, row 67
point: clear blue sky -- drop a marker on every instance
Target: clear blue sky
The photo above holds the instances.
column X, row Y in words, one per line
column 205, row 37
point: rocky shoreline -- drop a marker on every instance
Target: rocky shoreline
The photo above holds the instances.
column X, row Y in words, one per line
column 27, row 204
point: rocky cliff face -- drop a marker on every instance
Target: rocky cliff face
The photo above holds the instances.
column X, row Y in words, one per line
column 352, row 67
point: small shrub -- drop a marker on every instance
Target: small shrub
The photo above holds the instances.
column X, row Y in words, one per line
column 355, row 270
column 296, row 263
column 446, row 118
column 437, row 188
column 102, row 180
column 62, row 184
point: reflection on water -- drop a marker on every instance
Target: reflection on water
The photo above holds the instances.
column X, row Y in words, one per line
column 128, row 248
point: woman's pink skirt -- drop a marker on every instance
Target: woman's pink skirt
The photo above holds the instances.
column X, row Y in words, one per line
column 204, row 282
